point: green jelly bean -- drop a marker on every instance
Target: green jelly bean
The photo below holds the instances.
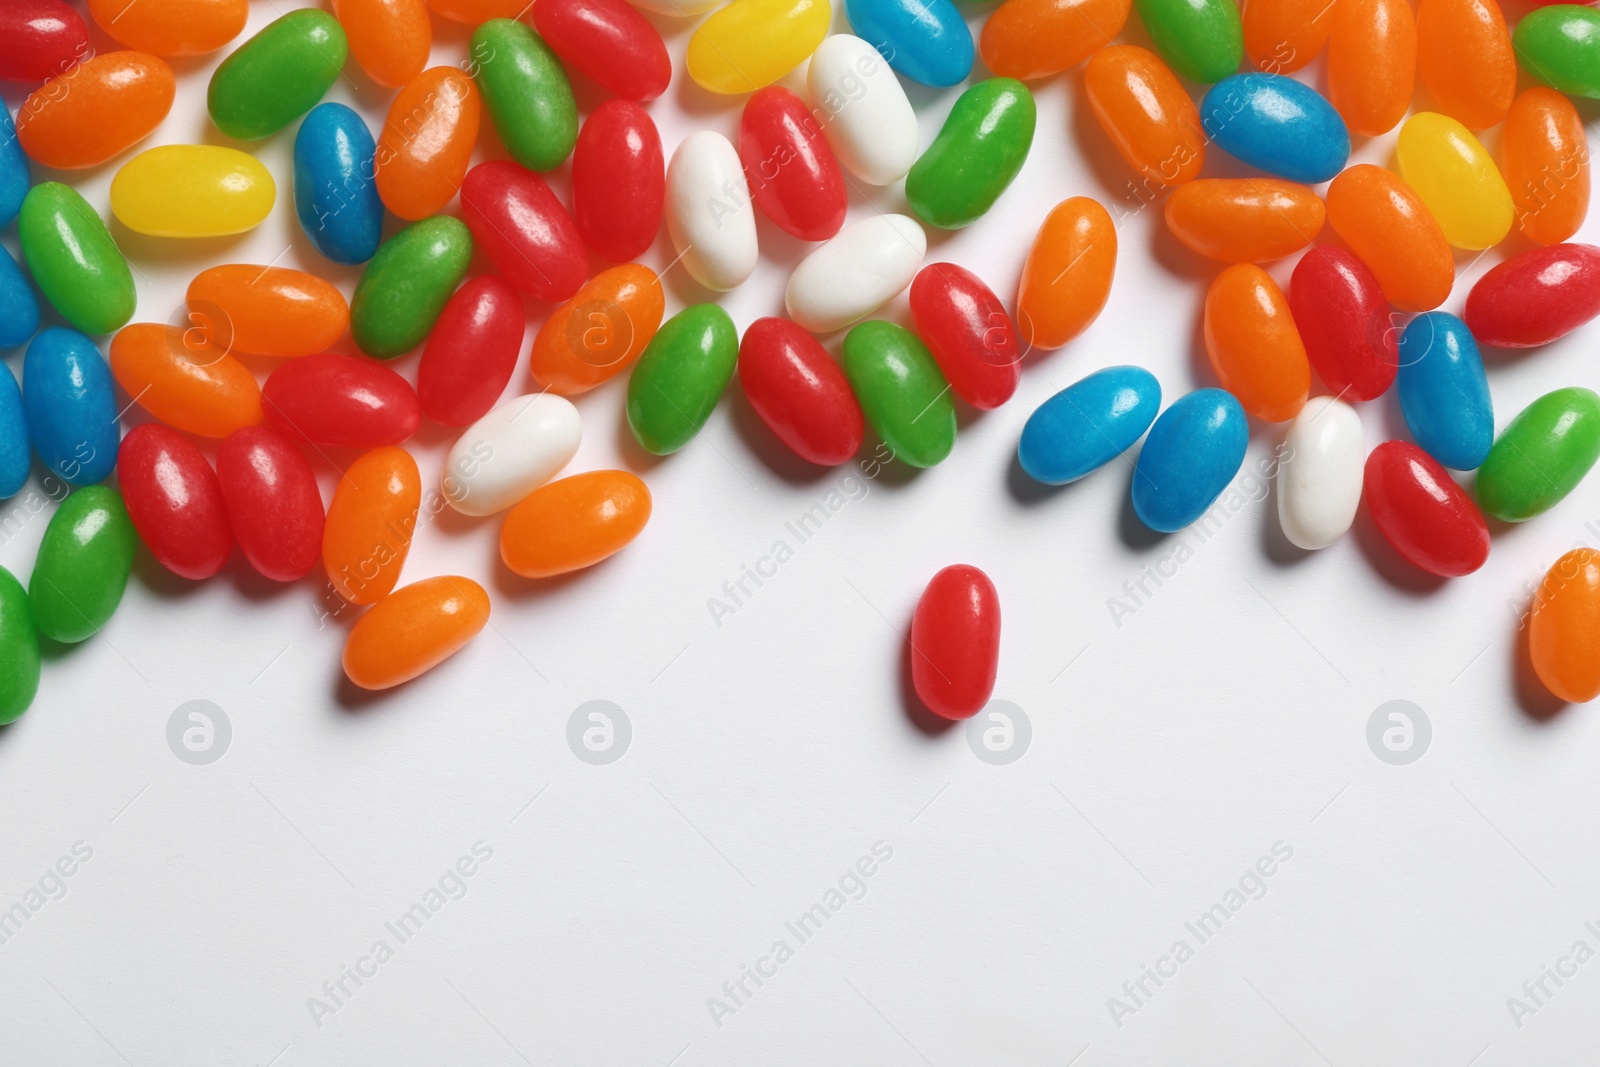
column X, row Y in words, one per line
column 1541, row 456
column 1560, row 46
column 19, row 650
column 901, row 390
column 1200, row 39
column 83, row 565
column 277, row 75
column 977, row 154
column 527, row 93
column 407, row 284
column 676, row 384
column 74, row 261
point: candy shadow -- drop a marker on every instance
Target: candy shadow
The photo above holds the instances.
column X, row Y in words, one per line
column 351, row 699
column 1530, row 694
column 192, row 254
column 510, row 585
column 635, row 457
column 916, row 712
column 1029, row 491
column 778, row 457
column 1110, row 171
column 1130, row 528
column 1402, row 575
column 1275, row 544
column 1180, row 259
column 161, row 582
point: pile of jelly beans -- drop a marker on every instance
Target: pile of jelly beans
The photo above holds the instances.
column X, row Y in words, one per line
column 1358, row 318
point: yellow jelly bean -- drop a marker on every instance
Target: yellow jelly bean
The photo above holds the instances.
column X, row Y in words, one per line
column 1457, row 179
column 752, row 43
column 192, row 191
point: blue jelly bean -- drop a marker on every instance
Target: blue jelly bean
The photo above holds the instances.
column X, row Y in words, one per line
column 1088, row 424
column 1444, row 394
column 335, row 191
column 71, row 408
column 1277, row 124
column 14, row 455
column 13, row 169
column 19, row 307
column 925, row 40
column 1193, row 451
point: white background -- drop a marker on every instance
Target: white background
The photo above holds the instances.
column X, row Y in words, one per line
column 1168, row 753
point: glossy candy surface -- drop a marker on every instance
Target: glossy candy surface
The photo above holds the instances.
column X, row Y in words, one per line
column 869, row 121
column 273, row 502
column 14, row 178
column 1281, row 36
column 924, row 40
column 680, row 377
column 1190, row 456
column 979, row 151
column 74, row 261
column 471, row 352
column 335, row 196
column 1344, row 323
column 526, row 91
column 344, row 401
column 1201, row 39
column 389, row 39
column 599, row 332
column 172, row 27
column 1536, row 297
column 175, row 501
column 901, row 391
column 1428, row 519
column 40, row 39
column 83, row 565
column 267, row 311
column 1066, row 278
column 966, row 328
column 370, row 523
column 19, row 649
column 1465, row 58
column 1545, row 154
column 609, row 42
column 524, row 230
column 1147, row 114
column 574, row 523
column 1320, row 473
column 474, row 12
column 15, row 456
column 427, row 142
column 1456, row 178
column 1029, row 39
column 413, row 630
column 277, row 75
column 510, row 452
column 184, row 380
column 1278, row 125
column 192, row 191
column 955, row 642
column 1244, row 220
column 1391, row 230
column 1088, row 424
column 19, row 308
column 709, row 213
column 855, row 273
column 1444, row 395
column 1541, row 456
column 1559, row 45
column 799, row 391
column 70, row 405
column 1372, row 63
column 1564, row 627
column 96, row 111
column 1254, row 345
column 792, row 173
column 407, row 284
column 753, row 43
column 619, row 181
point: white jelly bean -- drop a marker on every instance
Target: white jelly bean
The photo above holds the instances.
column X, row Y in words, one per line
column 1319, row 480
column 862, row 109
column 856, row 272
column 709, row 215
column 510, row 452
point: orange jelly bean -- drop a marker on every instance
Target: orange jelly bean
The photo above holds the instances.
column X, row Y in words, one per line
column 476, row 12
column 1391, row 230
column 184, row 380
column 370, row 522
column 413, row 630
column 171, row 27
column 1564, row 627
column 427, row 142
column 1147, row 113
column 390, row 39
column 1546, row 157
column 1244, row 220
column 96, row 111
column 574, row 523
column 599, row 332
column 1037, row 38
column 1372, row 63
column 1066, row 278
column 1464, row 56
column 267, row 311
column 1281, row 36
column 1254, row 345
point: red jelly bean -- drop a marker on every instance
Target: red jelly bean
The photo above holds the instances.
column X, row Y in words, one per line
column 273, row 502
column 524, row 230
column 800, row 392
column 609, row 42
column 955, row 642
column 40, row 39
column 794, row 177
column 1423, row 513
column 1535, row 297
column 1344, row 321
column 619, row 181
column 174, row 500
column 346, row 401
column 967, row 329
column 471, row 352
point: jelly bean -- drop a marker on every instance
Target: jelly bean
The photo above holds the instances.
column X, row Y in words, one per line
column 800, row 392
column 510, row 452
column 1546, row 165
column 1244, row 220
column 471, row 352
column 709, row 214
column 70, row 406
column 855, row 273
column 15, row 457
column 40, row 39
column 1344, row 323
column 574, row 523
column 769, row 38
column 1278, row 125
column 680, row 377
column 619, row 181
column 1465, row 58
column 175, row 501
column 475, row 12
column 192, row 191
column 1391, row 230
column 924, row 40
column 335, row 196
column 1253, row 344
column 73, row 260
column 1444, row 395
column 1320, row 473
column 1147, row 113
column 273, row 502
column 904, row 396
column 1281, row 36
column 1541, row 456
column 966, row 328
column 599, row 332
column 1088, row 424
column 389, row 39
column 184, row 380
column 427, row 142
column 863, row 110
column 277, row 75
column 19, row 308
column 1201, row 39
column 1455, row 177
column 979, row 151
column 1560, row 46
column 527, row 93
column 1030, row 39
column 96, row 111
column 269, row 311
column 677, row 8
column 83, row 565
column 955, row 642
column 413, row 630
column 172, row 27
column 19, row 650
column 344, row 401
column 794, row 178
column 1372, row 63
column 1536, row 297
column 370, row 522
column 14, row 179
column 1427, row 518
column 406, row 285
column 1066, row 278
column 608, row 42
column 524, row 230
column 1193, row 451
column 1564, row 627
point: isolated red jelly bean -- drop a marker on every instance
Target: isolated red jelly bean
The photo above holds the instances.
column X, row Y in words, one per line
column 955, row 642
column 273, row 503
column 619, row 181
column 40, row 39
column 471, row 352
column 345, row 401
column 967, row 329
column 793, row 175
column 609, row 42
column 800, row 392
column 1535, row 297
column 1422, row 512
column 524, row 230
column 174, row 500
column 1344, row 321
